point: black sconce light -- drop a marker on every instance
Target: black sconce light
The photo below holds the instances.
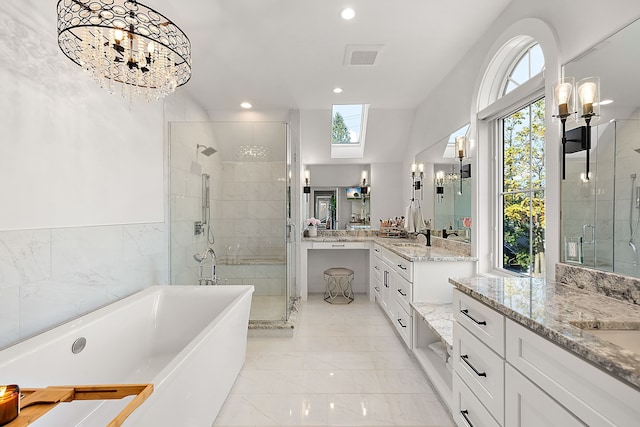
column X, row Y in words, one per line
column 364, row 190
column 461, row 150
column 417, row 179
column 589, row 107
column 307, row 187
column 440, row 185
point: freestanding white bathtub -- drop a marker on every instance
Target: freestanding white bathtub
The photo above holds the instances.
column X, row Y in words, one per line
column 189, row 341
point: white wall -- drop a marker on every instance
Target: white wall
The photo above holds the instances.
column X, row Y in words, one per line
column 82, row 181
column 453, row 102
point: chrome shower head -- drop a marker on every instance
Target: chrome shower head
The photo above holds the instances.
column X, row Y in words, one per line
column 208, row 151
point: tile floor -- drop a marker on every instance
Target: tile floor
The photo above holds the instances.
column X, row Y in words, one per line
column 344, row 366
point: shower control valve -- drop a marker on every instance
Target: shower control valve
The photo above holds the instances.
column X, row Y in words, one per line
column 198, row 228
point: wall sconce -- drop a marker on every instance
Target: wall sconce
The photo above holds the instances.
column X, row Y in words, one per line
column 461, row 150
column 363, row 189
column 589, row 107
column 440, row 185
column 417, row 178
column 307, row 186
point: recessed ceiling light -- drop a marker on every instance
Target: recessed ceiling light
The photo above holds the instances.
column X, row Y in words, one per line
column 347, row 13
column 246, row 105
column 337, row 90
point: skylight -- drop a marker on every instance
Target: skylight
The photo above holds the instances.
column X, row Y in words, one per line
column 348, row 129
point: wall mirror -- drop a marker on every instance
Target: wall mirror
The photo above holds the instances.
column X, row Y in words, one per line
column 447, row 183
column 601, row 215
column 339, row 197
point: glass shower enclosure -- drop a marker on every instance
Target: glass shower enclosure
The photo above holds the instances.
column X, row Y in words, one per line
column 230, row 206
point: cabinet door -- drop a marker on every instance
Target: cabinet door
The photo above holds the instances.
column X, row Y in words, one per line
column 528, row 406
column 389, row 286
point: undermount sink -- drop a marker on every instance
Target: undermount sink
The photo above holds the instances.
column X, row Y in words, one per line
column 627, row 336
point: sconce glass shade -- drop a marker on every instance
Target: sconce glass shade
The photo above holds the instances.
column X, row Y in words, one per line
column 461, row 147
column 439, row 178
column 564, row 97
column 589, row 97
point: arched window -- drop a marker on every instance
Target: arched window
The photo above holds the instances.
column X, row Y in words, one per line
column 519, row 150
column 529, row 64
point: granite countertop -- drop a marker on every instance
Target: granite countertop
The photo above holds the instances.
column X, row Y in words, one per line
column 554, row 311
column 439, row 317
column 409, row 249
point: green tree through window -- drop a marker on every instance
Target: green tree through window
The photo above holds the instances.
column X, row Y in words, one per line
column 523, row 191
column 340, row 132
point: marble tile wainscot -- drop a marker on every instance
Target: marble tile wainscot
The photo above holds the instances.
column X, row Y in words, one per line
column 594, row 381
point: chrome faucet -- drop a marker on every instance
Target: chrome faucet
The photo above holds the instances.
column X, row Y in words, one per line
column 201, row 258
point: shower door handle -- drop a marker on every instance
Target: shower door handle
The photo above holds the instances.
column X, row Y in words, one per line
column 291, row 227
column 593, row 234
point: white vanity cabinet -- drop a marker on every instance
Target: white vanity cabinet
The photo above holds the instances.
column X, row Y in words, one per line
column 509, row 373
column 395, row 290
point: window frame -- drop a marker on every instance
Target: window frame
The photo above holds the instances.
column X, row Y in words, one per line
column 499, row 192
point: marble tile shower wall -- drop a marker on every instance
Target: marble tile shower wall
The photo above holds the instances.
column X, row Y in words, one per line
column 252, row 225
column 49, row 276
column 186, row 198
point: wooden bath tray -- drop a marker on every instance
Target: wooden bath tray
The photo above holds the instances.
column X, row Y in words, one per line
column 38, row 401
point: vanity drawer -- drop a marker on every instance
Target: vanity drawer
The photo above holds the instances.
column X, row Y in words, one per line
column 482, row 321
column 403, row 266
column 467, row 409
column 481, row 369
column 402, row 291
column 338, row 245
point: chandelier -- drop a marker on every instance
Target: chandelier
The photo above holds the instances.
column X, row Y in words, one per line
column 126, row 43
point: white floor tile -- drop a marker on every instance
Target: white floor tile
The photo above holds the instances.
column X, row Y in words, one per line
column 344, row 366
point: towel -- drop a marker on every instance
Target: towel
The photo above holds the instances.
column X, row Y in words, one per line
column 410, row 227
column 440, row 350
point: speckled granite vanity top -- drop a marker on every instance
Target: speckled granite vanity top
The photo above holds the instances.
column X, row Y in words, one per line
column 563, row 314
column 409, row 249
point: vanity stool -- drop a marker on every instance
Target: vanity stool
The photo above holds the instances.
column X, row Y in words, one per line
column 338, row 285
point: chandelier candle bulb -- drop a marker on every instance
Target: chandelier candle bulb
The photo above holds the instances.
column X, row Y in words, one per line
column 9, row 403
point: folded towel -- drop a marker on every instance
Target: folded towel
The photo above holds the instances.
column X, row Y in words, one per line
column 440, row 349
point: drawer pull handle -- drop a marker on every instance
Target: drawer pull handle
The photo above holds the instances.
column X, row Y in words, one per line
column 465, row 414
column 337, row 246
column 376, row 288
column 402, row 267
column 377, row 250
column 402, row 293
column 401, row 324
column 376, row 267
column 466, row 313
column 464, row 358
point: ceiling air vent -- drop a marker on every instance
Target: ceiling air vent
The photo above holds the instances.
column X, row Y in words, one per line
column 361, row 55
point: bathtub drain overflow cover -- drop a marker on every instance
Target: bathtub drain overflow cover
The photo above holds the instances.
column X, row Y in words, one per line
column 78, row 345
